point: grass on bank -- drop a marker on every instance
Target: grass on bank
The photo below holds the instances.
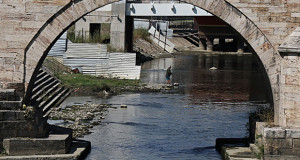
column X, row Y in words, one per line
column 141, row 33
column 96, row 83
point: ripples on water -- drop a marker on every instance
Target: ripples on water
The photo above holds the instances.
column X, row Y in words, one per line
column 184, row 124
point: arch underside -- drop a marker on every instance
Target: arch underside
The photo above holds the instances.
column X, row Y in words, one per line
column 39, row 46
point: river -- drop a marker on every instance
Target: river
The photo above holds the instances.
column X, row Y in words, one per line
column 182, row 123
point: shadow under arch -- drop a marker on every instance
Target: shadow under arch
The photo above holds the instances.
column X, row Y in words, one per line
column 41, row 43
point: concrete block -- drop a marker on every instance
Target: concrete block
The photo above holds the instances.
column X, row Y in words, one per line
column 275, row 132
column 54, row 144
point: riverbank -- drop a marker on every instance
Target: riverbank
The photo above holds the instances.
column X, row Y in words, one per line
column 103, row 87
column 82, row 117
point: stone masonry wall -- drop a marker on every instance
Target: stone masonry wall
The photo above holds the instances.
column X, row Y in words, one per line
column 19, row 21
column 276, row 18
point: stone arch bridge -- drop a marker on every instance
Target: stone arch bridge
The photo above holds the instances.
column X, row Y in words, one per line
column 269, row 27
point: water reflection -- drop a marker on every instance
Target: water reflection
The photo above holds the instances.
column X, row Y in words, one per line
column 231, row 81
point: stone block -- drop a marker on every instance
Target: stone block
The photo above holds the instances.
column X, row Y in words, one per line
column 10, row 105
column 290, row 151
column 292, row 79
column 22, row 128
column 54, row 144
column 32, row 24
column 293, row 122
column 296, row 142
column 51, row 9
column 275, row 132
column 278, row 146
column 11, row 115
column 19, row 16
column 34, row 7
column 7, row 94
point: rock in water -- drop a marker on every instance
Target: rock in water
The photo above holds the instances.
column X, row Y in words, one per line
column 213, row 68
column 123, row 106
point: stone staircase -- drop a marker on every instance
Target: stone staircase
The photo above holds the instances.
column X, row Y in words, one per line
column 24, row 129
column 16, row 121
column 48, row 93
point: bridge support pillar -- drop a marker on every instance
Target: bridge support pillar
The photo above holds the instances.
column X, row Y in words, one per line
column 209, row 44
column 202, row 43
column 222, row 42
column 129, row 27
column 117, row 29
column 240, row 46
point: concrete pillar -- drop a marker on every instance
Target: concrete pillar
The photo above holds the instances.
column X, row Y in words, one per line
column 240, row 46
column 117, row 29
column 222, row 42
column 209, row 44
column 129, row 27
column 202, row 43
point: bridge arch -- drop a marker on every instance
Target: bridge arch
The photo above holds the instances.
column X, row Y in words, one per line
column 41, row 43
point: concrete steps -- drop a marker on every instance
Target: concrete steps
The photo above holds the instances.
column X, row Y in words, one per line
column 56, row 100
column 48, row 92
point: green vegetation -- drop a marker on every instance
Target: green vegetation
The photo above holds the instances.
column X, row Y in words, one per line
column 141, row 33
column 264, row 114
column 97, row 83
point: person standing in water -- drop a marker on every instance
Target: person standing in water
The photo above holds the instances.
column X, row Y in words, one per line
column 168, row 75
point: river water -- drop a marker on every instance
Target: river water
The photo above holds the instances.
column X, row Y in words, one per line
column 182, row 123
